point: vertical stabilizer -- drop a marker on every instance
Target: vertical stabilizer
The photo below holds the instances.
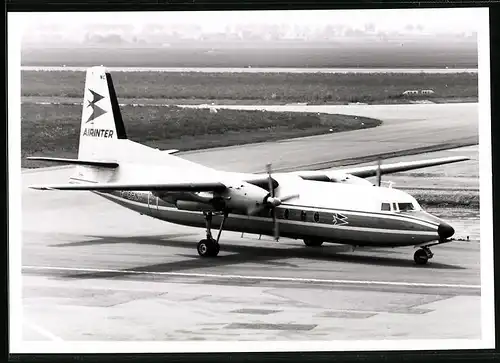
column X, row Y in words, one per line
column 101, row 117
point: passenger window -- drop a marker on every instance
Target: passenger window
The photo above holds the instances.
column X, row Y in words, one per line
column 386, row 207
column 303, row 215
column 287, row 213
column 316, row 217
column 394, row 207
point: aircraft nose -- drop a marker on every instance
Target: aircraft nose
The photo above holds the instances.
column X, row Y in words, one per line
column 445, row 230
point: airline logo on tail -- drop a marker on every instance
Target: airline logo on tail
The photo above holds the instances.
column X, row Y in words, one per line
column 96, row 112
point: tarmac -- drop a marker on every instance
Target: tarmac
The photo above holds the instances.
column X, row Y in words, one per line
column 93, row 271
column 405, row 128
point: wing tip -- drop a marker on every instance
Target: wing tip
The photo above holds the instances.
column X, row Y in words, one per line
column 40, row 187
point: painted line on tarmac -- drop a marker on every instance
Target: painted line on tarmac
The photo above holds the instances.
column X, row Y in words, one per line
column 262, row 278
column 42, row 331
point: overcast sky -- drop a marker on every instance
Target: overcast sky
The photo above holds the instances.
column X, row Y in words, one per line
column 434, row 20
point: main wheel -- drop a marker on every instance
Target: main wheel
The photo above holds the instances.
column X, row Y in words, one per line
column 208, row 248
column 313, row 242
column 420, row 257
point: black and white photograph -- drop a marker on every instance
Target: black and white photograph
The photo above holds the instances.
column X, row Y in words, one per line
column 245, row 181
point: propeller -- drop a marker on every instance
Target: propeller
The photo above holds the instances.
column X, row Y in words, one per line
column 273, row 201
column 379, row 173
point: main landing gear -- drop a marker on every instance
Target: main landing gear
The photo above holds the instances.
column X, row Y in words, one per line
column 312, row 242
column 422, row 255
column 209, row 247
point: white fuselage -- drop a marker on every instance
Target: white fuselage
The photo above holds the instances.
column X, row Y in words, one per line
column 323, row 211
column 331, row 212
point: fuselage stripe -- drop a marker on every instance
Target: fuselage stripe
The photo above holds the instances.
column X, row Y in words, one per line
column 400, row 218
column 264, row 219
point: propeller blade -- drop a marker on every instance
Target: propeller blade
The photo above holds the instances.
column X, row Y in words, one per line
column 288, row 197
column 379, row 174
column 276, row 226
column 274, row 202
column 270, row 180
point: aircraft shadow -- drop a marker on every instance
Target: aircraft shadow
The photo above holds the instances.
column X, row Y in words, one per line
column 239, row 254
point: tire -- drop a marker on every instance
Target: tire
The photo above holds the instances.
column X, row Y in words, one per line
column 208, row 248
column 420, row 257
column 313, row 242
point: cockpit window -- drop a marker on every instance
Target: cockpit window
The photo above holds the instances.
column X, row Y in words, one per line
column 386, row 207
column 404, row 207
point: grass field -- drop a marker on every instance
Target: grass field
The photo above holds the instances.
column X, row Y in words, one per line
column 396, row 54
column 261, row 87
column 446, row 199
column 54, row 129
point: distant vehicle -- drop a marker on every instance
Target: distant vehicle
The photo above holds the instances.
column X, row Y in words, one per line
column 337, row 206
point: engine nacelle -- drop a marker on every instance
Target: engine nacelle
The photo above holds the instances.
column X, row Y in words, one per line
column 195, row 206
column 347, row 179
column 244, row 197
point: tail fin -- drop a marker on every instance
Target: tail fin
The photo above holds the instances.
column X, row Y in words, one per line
column 101, row 117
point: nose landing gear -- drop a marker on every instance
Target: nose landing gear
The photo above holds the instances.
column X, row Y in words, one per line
column 422, row 256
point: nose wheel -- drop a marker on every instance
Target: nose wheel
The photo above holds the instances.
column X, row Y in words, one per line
column 422, row 255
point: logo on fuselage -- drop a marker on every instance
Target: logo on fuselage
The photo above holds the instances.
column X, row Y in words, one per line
column 339, row 219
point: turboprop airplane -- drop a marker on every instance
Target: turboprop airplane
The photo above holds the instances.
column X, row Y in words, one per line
column 338, row 206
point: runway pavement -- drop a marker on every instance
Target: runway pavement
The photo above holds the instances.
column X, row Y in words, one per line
column 95, row 271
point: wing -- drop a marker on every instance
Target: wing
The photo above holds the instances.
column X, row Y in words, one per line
column 165, row 187
column 371, row 170
column 367, row 171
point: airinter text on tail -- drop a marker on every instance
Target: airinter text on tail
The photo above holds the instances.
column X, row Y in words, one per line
column 98, row 133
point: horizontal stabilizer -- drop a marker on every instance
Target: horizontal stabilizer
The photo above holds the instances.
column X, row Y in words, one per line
column 165, row 187
column 103, row 164
column 368, row 171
